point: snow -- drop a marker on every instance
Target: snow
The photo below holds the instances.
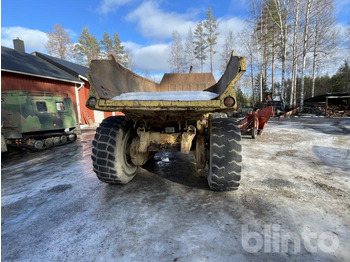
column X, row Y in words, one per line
column 168, row 96
column 295, row 176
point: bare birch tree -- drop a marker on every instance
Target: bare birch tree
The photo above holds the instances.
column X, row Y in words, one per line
column 305, row 49
column 279, row 15
column 129, row 59
column 292, row 100
column 256, row 8
column 347, row 37
column 226, row 50
column 247, row 41
column 176, row 59
column 324, row 33
column 189, row 51
column 59, row 43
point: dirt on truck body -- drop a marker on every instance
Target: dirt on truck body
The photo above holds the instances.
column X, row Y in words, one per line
column 185, row 112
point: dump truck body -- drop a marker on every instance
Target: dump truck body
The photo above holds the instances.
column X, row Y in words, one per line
column 109, row 79
column 36, row 120
column 185, row 112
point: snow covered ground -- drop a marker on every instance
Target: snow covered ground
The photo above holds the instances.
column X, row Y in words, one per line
column 295, row 184
column 168, row 96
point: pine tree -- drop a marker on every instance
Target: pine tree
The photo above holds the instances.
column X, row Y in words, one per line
column 211, row 26
column 88, row 48
column 200, row 44
column 106, row 45
column 118, row 49
column 113, row 46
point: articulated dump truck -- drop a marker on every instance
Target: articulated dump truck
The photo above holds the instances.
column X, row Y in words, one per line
column 185, row 112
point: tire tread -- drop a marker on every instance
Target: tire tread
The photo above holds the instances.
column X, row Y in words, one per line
column 225, row 153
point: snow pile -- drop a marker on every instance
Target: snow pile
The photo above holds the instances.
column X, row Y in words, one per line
column 168, row 96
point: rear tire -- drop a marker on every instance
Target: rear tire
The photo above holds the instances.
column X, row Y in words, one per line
column 110, row 148
column 254, row 132
column 225, row 155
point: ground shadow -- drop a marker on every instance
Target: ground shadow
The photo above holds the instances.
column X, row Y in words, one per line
column 330, row 126
column 334, row 157
column 182, row 171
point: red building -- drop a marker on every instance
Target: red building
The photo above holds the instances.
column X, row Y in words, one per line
column 40, row 72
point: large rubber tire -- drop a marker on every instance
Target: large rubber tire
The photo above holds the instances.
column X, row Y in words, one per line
column 110, row 151
column 225, row 154
column 254, row 132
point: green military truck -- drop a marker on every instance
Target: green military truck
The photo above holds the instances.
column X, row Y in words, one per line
column 36, row 120
column 185, row 112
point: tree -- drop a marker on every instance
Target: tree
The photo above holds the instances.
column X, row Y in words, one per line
column 59, row 44
column 260, row 42
column 200, row 44
column 211, row 25
column 292, row 99
column 115, row 48
column 247, row 41
column 129, row 57
column 305, row 46
column 227, row 50
column 189, row 51
column 264, row 85
column 347, row 37
column 324, row 33
column 118, row 49
column 278, row 10
column 176, row 60
column 340, row 82
column 106, row 45
column 88, row 47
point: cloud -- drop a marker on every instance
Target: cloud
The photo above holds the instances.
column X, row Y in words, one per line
column 154, row 58
column 149, row 59
column 234, row 24
column 156, row 24
column 131, row 45
column 111, row 5
column 34, row 40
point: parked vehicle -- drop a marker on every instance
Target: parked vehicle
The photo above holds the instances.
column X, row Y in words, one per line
column 185, row 112
column 36, row 120
column 254, row 122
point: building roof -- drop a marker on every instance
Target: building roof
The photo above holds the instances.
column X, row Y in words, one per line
column 322, row 98
column 71, row 68
column 22, row 63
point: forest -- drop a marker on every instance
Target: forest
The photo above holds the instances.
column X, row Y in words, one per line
column 290, row 47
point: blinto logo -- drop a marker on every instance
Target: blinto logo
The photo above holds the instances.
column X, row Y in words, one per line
column 272, row 240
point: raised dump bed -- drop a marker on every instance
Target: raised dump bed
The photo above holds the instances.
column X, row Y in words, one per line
column 182, row 113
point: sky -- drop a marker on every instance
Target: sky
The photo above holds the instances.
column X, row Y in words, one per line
column 144, row 26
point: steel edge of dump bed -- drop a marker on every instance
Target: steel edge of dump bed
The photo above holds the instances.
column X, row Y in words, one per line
column 214, row 105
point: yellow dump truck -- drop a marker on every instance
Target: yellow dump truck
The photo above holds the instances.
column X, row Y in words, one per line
column 184, row 112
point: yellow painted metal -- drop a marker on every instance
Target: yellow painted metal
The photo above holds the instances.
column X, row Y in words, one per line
column 107, row 78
